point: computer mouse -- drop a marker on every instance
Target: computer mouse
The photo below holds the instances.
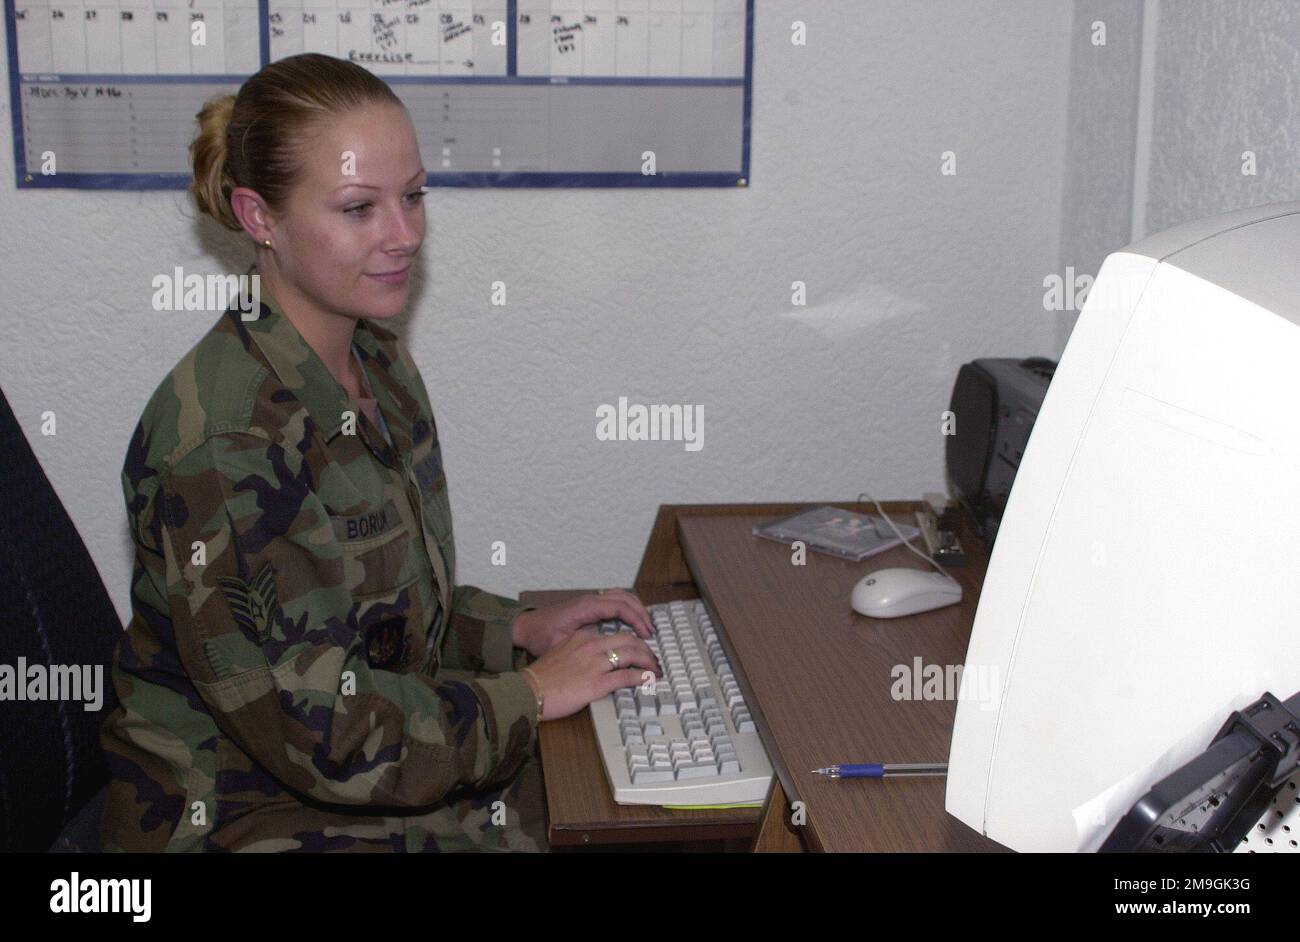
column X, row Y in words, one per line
column 892, row 593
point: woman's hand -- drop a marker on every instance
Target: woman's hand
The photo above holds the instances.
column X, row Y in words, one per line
column 541, row 629
column 580, row 669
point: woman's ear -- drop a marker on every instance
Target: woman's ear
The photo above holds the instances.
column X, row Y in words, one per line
column 252, row 212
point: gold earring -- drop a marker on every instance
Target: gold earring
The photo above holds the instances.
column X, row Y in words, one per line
column 267, row 243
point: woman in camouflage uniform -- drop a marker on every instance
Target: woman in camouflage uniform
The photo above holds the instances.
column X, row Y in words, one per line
column 302, row 671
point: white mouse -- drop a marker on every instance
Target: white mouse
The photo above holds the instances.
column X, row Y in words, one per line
column 892, row 593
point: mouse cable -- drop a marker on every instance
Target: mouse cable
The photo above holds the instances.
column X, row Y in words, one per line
column 947, row 575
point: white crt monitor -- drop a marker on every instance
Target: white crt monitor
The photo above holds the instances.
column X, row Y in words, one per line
column 1145, row 581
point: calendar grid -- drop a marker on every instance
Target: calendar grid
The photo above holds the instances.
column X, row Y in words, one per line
column 674, row 74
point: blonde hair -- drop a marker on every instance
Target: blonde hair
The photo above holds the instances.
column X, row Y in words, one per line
column 254, row 139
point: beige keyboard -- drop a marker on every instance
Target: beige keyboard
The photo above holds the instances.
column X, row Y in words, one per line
column 688, row 738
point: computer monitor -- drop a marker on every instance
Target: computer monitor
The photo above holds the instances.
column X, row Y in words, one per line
column 1143, row 584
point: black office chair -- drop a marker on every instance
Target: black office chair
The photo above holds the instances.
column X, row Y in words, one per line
column 55, row 611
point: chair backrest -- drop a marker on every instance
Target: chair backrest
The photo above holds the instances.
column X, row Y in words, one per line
column 54, row 612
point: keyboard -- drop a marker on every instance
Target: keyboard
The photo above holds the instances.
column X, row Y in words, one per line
column 691, row 740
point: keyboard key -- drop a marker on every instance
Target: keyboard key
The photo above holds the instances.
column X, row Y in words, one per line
column 644, row 776
column 704, row 770
column 647, row 704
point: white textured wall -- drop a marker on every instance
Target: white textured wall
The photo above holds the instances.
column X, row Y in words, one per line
column 1227, row 81
column 1158, row 124
column 676, row 296
column 1104, row 89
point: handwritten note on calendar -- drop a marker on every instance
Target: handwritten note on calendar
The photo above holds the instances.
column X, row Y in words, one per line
column 502, row 92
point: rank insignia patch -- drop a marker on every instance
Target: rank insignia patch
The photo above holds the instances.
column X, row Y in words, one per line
column 256, row 606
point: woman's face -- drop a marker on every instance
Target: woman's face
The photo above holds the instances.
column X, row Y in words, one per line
column 353, row 223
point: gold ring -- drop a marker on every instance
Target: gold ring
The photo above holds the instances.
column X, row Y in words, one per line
column 613, row 658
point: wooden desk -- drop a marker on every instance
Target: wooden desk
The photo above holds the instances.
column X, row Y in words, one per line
column 818, row 674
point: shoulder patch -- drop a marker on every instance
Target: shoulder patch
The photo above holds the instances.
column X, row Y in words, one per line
column 255, row 605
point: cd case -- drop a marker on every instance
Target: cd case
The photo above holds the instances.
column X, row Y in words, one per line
column 842, row 533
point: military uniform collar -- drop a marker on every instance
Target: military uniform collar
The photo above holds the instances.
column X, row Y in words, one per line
column 304, row 374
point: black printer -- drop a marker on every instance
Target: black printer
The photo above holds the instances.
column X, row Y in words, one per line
column 994, row 405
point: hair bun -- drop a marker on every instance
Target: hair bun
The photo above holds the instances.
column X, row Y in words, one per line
column 212, row 183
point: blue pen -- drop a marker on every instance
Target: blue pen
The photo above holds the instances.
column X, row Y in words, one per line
column 885, row 770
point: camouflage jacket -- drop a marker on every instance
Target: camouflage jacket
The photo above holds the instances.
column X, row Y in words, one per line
column 299, row 672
